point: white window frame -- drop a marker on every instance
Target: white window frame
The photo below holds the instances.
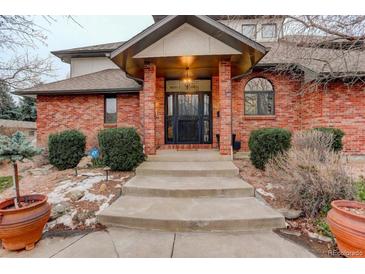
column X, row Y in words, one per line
column 250, row 25
column 269, row 24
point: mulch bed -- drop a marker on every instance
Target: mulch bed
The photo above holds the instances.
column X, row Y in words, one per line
column 259, row 180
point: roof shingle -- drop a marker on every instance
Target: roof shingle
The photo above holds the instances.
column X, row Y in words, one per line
column 105, row 81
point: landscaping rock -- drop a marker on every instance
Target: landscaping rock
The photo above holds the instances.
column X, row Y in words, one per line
column 102, row 188
column 290, row 214
column 82, row 216
column 266, row 194
column 291, row 232
column 319, row 237
column 118, row 186
column 85, row 162
column 58, row 210
column 75, row 195
column 44, row 170
column 269, row 186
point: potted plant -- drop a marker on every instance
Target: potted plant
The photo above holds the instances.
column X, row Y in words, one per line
column 347, row 223
column 22, row 218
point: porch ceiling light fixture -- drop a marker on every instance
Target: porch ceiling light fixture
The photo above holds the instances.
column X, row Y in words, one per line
column 187, row 80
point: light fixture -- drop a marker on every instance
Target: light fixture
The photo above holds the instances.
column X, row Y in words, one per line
column 187, row 80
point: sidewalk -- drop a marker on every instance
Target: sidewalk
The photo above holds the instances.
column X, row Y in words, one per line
column 132, row 243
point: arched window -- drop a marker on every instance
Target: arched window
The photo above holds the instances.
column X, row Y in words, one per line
column 259, row 97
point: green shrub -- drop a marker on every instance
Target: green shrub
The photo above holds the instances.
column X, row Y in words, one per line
column 323, row 228
column 5, row 182
column 360, row 189
column 121, row 148
column 266, row 143
column 66, row 148
column 337, row 136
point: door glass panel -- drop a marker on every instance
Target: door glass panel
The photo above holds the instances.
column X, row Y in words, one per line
column 188, row 104
column 206, row 131
column 170, row 105
column 206, row 105
column 169, row 130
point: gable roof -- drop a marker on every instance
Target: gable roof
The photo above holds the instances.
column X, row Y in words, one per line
column 249, row 52
column 89, row 51
column 210, row 26
column 105, row 81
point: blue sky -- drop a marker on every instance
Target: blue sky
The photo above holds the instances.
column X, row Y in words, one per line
column 64, row 34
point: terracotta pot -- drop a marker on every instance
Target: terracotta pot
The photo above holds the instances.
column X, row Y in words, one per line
column 348, row 228
column 22, row 228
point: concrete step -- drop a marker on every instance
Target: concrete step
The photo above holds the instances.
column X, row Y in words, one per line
column 188, row 169
column 165, row 186
column 191, row 214
column 199, row 155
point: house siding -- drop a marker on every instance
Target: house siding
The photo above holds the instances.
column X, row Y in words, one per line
column 339, row 106
column 336, row 106
column 84, row 113
column 287, row 107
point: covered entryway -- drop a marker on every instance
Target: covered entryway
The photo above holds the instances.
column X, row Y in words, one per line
column 186, row 64
column 188, row 113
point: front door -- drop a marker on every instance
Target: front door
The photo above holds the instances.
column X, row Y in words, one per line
column 188, row 118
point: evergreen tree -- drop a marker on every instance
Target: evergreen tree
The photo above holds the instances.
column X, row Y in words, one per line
column 27, row 109
column 8, row 108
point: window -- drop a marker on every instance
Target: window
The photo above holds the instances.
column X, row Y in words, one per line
column 268, row 31
column 249, row 30
column 110, row 115
column 259, row 97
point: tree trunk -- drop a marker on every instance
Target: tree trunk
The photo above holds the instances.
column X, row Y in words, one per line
column 16, row 183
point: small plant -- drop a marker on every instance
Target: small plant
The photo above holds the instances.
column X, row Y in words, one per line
column 360, row 189
column 323, row 228
column 121, row 148
column 338, row 134
column 66, row 148
column 97, row 162
column 267, row 143
column 314, row 174
column 13, row 149
column 5, row 182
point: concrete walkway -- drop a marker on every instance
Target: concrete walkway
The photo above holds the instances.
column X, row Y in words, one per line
column 132, row 243
column 181, row 191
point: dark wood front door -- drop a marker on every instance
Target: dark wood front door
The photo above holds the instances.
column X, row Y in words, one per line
column 188, row 118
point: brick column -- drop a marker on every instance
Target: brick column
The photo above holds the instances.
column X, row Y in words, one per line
column 225, row 101
column 148, row 104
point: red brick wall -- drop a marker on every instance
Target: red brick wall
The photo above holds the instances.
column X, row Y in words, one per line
column 215, row 109
column 149, row 111
column 82, row 112
column 338, row 106
column 128, row 111
column 287, row 106
column 225, row 103
column 160, row 111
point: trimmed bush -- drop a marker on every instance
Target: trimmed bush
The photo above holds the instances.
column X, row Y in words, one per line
column 337, row 136
column 266, row 143
column 66, row 148
column 121, row 148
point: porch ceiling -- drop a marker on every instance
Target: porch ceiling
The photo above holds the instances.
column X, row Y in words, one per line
column 245, row 52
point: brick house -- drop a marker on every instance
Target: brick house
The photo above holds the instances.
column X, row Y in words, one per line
column 192, row 82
